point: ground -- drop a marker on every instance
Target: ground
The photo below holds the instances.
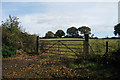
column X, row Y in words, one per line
column 56, row 66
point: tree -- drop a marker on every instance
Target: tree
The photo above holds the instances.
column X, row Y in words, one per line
column 72, row 31
column 13, row 38
column 11, row 31
column 10, row 36
column 117, row 30
column 59, row 33
column 92, row 36
column 84, row 30
column 49, row 34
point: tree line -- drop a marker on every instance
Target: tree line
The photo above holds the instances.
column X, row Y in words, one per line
column 15, row 38
column 72, row 32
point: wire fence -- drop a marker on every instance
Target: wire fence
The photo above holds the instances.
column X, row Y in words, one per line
column 77, row 46
column 101, row 46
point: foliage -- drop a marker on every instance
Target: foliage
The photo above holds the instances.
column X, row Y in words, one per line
column 49, row 34
column 59, row 33
column 13, row 35
column 29, row 42
column 117, row 29
column 84, row 30
column 8, row 51
column 113, row 57
column 10, row 31
column 72, row 31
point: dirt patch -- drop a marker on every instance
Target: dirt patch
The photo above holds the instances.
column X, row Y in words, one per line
column 15, row 63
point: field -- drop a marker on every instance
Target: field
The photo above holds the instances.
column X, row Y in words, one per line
column 47, row 65
column 96, row 46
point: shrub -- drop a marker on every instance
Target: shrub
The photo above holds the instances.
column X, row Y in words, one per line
column 8, row 51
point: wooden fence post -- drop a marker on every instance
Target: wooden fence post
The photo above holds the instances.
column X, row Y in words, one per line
column 37, row 44
column 106, row 47
column 86, row 44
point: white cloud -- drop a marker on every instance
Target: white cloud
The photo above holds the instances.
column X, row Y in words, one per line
column 101, row 18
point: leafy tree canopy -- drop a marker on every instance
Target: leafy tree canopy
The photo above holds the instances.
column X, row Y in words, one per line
column 49, row 34
column 117, row 29
column 84, row 30
column 11, row 31
column 72, row 31
column 59, row 33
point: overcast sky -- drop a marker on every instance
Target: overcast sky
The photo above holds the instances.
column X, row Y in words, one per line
column 40, row 17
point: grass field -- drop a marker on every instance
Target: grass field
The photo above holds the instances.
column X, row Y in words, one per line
column 96, row 46
column 48, row 65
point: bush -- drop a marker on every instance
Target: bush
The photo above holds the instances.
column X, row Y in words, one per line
column 13, row 35
column 8, row 51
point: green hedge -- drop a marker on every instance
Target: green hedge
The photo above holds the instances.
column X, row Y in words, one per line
column 8, row 51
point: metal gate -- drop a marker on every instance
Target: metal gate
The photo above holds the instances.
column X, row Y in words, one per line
column 59, row 46
column 71, row 47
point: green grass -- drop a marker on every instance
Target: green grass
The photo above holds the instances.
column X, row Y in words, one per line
column 97, row 46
